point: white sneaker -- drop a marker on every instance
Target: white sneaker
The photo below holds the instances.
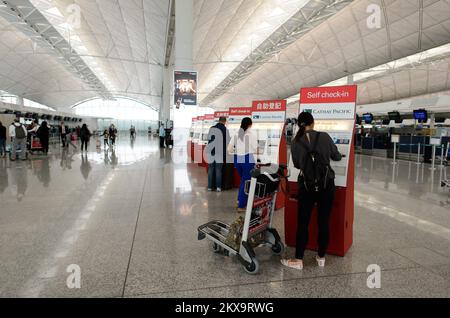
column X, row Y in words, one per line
column 320, row 261
column 219, row 190
column 209, row 190
column 291, row 264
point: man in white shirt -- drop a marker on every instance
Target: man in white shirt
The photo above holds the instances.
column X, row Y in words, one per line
column 18, row 134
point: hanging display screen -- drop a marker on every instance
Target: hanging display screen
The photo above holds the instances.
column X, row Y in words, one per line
column 368, row 118
column 185, row 88
column 421, row 115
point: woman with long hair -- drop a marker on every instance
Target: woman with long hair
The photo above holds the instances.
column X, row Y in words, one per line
column 244, row 146
column 85, row 136
column 311, row 154
column 43, row 134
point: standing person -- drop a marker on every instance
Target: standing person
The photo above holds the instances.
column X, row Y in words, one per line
column 244, row 146
column 63, row 131
column 43, row 134
column 162, row 136
column 85, row 136
column 218, row 139
column 18, row 134
column 311, row 154
column 2, row 141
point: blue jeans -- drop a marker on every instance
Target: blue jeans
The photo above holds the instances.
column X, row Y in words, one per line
column 215, row 175
column 244, row 165
column 2, row 147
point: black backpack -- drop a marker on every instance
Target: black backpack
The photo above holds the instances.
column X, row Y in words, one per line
column 316, row 173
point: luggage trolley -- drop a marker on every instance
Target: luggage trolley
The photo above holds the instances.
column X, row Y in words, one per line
column 257, row 227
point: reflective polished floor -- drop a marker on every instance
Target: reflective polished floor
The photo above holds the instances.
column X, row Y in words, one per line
column 128, row 219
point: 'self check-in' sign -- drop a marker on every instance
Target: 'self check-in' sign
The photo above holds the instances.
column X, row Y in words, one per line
column 329, row 102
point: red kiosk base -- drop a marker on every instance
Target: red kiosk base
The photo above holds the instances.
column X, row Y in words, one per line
column 341, row 221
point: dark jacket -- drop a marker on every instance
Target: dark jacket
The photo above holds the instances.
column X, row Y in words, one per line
column 3, row 132
column 85, row 134
column 219, row 131
column 326, row 147
column 43, row 133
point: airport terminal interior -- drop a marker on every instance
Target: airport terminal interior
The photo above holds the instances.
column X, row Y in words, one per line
column 141, row 83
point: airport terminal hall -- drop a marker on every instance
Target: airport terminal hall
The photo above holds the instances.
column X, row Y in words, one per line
column 251, row 152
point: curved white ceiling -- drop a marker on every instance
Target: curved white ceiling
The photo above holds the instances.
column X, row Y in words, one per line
column 121, row 41
column 343, row 45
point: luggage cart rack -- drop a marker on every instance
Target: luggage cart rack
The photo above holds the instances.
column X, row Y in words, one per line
column 255, row 229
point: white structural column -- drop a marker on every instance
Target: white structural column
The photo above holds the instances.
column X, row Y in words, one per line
column 182, row 55
column 184, row 24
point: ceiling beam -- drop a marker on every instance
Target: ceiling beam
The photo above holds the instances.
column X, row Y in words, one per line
column 307, row 18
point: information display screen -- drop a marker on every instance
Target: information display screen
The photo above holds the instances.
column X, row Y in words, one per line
column 368, row 118
column 421, row 115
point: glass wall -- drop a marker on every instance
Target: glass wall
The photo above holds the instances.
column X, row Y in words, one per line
column 122, row 112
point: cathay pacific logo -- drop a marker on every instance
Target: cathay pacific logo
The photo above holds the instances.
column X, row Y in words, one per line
column 309, row 111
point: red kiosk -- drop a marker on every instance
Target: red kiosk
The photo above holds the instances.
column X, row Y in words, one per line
column 334, row 110
column 269, row 118
column 196, row 140
column 190, row 142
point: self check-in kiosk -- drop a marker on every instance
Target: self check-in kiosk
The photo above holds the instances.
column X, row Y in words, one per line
column 197, row 147
column 208, row 122
column 334, row 111
column 234, row 124
column 269, row 119
column 190, row 143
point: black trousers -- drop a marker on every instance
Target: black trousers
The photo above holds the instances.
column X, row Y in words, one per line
column 161, row 142
column 84, row 143
column 306, row 203
column 64, row 140
column 44, row 143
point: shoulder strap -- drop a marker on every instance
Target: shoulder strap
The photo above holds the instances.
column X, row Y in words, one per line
column 316, row 142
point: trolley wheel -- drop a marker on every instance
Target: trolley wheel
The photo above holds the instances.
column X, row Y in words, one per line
column 253, row 267
column 278, row 248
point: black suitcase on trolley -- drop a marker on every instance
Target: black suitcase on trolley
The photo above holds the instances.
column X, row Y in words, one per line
column 227, row 176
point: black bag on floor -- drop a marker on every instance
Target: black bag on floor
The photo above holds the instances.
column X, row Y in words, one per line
column 228, row 176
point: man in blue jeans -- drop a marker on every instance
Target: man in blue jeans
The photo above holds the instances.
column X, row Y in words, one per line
column 2, row 141
column 218, row 139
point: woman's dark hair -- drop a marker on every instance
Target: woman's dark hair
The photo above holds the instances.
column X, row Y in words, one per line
column 245, row 124
column 84, row 127
column 304, row 119
column 44, row 124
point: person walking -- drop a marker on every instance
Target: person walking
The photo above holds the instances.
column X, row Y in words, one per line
column 2, row 140
column 63, row 131
column 244, row 146
column 43, row 134
column 18, row 134
column 85, row 136
column 105, row 136
column 162, row 136
column 312, row 152
column 112, row 135
column 218, row 139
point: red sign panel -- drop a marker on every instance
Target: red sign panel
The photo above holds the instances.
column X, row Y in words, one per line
column 209, row 117
column 269, row 106
column 240, row 111
column 221, row 114
column 328, row 95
